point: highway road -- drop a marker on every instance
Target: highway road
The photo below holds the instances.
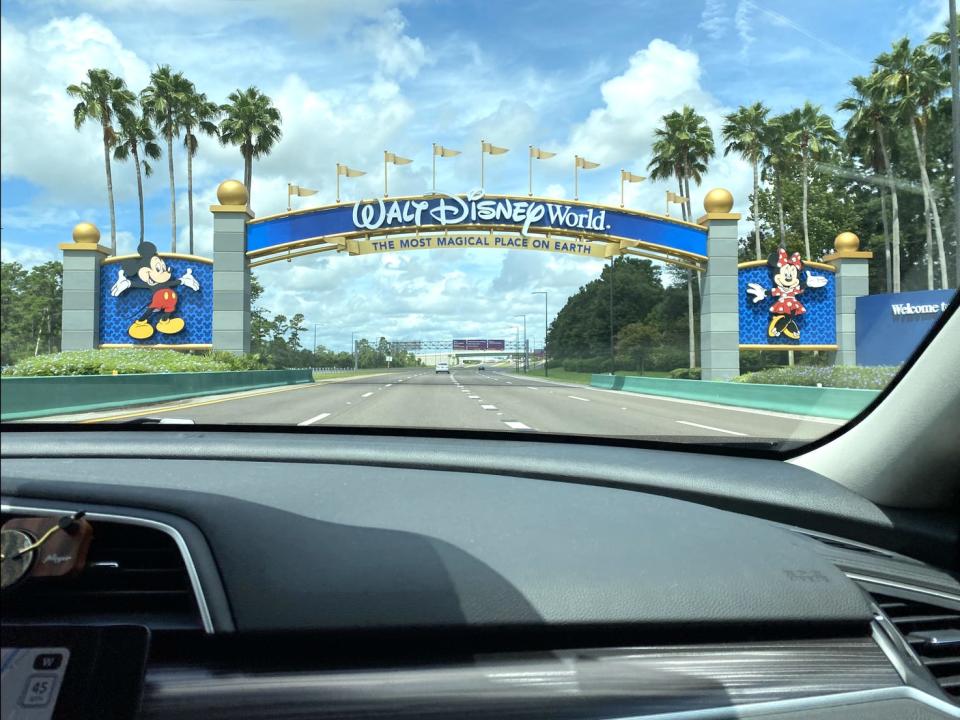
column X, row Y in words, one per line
column 469, row 399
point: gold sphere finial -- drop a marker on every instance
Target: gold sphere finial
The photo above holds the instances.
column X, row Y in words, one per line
column 86, row 233
column 232, row 192
column 718, row 200
column 846, row 242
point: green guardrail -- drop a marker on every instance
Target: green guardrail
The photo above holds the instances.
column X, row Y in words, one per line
column 838, row 403
column 32, row 397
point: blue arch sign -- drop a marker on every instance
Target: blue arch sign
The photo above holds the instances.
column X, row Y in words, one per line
column 523, row 216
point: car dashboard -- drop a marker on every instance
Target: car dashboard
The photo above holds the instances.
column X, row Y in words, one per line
column 315, row 576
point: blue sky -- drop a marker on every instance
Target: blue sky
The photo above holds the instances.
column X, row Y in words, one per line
column 357, row 77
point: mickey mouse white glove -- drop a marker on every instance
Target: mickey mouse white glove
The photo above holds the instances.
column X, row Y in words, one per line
column 121, row 284
column 189, row 280
column 757, row 291
column 816, row 281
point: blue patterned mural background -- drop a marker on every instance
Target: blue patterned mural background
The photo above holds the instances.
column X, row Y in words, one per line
column 194, row 306
column 818, row 326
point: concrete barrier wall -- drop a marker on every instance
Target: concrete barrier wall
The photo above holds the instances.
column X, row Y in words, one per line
column 839, row 403
column 29, row 397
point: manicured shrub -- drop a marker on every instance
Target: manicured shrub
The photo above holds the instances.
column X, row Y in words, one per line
column 838, row 376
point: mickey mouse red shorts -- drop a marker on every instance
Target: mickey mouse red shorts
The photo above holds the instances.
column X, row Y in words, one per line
column 164, row 300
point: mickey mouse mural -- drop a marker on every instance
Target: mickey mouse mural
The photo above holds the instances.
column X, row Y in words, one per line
column 150, row 271
column 788, row 284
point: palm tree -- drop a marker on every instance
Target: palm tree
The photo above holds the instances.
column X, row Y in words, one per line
column 777, row 164
column 743, row 134
column 163, row 100
column 253, row 123
column 914, row 79
column 136, row 133
column 683, row 147
column 812, row 133
column 102, row 97
column 200, row 114
column 870, row 120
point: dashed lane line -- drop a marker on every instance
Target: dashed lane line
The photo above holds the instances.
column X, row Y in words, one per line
column 574, row 397
column 489, row 407
column 514, row 425
column 366, row 394
column 710, row 427
column 315, row 418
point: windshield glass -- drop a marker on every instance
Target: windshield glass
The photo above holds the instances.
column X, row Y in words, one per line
column 709, row 222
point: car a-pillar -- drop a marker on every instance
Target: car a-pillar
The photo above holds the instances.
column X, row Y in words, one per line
column 719, row 316
column 80, row 313
column 231, row 269
column 853, row 281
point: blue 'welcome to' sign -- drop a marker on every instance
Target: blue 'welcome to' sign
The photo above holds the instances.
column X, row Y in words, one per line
column 890, row 326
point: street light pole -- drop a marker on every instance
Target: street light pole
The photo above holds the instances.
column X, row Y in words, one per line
column 353, row 349
column 546, row 327
column 524, row 341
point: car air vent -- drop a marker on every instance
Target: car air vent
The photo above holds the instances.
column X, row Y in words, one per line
column 133, row 574
column 933, row 633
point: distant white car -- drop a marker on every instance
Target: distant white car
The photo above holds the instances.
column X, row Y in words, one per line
column 443, row 367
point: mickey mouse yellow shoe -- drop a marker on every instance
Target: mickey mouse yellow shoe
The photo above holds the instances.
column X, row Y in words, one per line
column 170, row 326
column 140, row 330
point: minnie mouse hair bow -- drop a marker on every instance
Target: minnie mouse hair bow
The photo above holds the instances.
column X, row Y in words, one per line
column 784, row 259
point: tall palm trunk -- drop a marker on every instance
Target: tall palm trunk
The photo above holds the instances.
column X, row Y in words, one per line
column 926, row 223
column 686, row 194
column 886, row 239
column 173, row 194
column 782, row 223
column 930, row 203
column 136, row 163
column 806, row 233
column 894, row 212
column 190, row 188
column 683, row 205
column 106, row 164
column 756, row 206
column 691, row 335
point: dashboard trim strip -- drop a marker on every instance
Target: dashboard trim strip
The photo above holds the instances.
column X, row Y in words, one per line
column 205, row 616
column 902, row 586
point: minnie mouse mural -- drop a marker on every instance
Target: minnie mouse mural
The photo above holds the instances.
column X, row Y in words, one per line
column 788, row 285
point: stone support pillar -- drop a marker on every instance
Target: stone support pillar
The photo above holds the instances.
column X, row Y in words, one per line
column 80, row 313
column 853, row 281
column 231, row 269
column 719, row 315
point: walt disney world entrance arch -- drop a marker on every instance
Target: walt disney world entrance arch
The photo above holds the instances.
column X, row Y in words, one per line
column 169, row 300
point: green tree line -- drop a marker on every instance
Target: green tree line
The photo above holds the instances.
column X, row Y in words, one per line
column 170, row 108
column 30, row 308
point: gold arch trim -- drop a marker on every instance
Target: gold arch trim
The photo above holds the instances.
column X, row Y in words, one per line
column 789, row 347
column 159, row 346
column 806, row 263
column 175, row 256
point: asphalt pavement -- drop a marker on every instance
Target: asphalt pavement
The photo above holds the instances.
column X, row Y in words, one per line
column 471, row 399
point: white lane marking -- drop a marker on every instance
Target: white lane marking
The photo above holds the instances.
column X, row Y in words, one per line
column 473, row 397
column 366, row 394
column 315, row 418
column 509, row 383
column 574, row 397
column 349, row 403
column 489, row 407
column 513, row 424
column 499, row 413
column 710, row 427
column 530, row 387
column 388, row 385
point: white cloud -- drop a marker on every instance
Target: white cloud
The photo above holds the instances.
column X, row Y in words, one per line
column 713, row 20
column 743, row 22
column 37, row 139
column 659, row 79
